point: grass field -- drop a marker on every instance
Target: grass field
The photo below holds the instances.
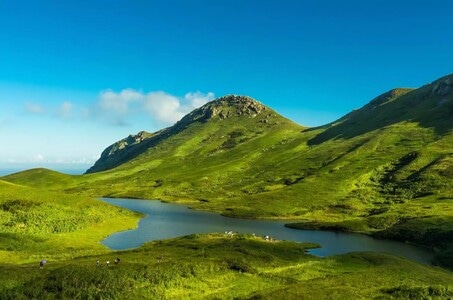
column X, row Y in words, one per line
column 218, row 267
column 385, row 170
column 35, row 223
column 65, row 230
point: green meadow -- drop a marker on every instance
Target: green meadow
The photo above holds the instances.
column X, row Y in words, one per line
column 218, row 267
column 385, row 170
column 37, row 224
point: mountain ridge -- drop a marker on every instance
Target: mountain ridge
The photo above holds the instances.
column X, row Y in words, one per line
column 390, row 107
column 222, row 108
column 429, row 105
column 385, row 169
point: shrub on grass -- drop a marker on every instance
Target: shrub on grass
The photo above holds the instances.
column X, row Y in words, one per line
column 73, row 282
column 383, row 222
column 240, row 265
column 419, row 292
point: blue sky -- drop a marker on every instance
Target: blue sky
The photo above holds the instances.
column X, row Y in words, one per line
column 75, row 76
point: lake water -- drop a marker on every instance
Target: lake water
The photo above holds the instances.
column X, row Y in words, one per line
column 165, row 220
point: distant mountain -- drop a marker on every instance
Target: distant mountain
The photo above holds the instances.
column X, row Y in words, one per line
column 430, row 106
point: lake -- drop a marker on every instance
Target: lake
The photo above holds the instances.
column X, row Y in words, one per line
column 166, row 220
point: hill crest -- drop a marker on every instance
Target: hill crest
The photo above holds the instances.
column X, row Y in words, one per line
column 223, row 108
column 430, row 105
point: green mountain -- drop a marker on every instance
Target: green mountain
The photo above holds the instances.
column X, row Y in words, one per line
column 430, row 106
column 235, row 149
column 227, row 109
column 384, row 169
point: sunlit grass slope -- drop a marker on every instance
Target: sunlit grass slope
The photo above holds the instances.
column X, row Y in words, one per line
column 219, row 267
column 37, row 224
column 384, row 169
column 43, row 178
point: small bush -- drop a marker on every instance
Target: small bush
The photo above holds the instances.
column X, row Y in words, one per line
column 419, row 292
column 18, row 205
column 240, row 265
column 383, row 222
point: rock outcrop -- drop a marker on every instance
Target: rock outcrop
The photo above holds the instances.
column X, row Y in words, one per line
column 222, row 108
column 131, row 140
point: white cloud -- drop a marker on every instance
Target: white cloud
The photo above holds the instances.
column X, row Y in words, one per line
column 119, row 102
column 163, row 108
column 34, row 108
column 73, row 125
column 168, row 109
column 86, row 112
column 65, row 109
column 127, row 107
column 198, row 99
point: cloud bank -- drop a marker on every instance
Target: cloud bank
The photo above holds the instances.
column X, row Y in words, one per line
column 124, row 107
column 119, row 102
column 65, row 110
column 34, row 108
column 163, row 108
column 74, row 132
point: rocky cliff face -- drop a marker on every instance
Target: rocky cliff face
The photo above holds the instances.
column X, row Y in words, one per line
column 225, row 107
column 120, row 150
column 222, row 108
column 131, row 140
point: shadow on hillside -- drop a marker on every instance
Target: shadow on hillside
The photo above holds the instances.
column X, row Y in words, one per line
column 432, row 232
column 431, row 106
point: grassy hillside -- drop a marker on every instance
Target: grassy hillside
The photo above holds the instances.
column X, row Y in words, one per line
column 42, row 178
column 36, row 224
column 218, row 267
column 385, row 169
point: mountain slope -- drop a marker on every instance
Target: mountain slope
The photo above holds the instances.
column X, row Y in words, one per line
column 430, row 106
column 41, row 177
column 37, row 223
column 386, row 168
column 242, row 158
column 226, row 108
column 244, row 149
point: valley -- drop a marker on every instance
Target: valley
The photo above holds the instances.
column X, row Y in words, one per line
column 384, row 170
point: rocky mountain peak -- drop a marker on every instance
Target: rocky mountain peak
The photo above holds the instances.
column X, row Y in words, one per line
column 242, row 105
column 443, row 86
column 387, row 97
column 117, row 149
column 223, row 108
column 131, row 140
